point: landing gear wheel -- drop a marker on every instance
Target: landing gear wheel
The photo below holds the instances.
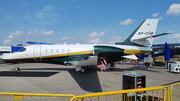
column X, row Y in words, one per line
column 83, row 69
column 86, row 67
column 16, row 68
column 4, row 61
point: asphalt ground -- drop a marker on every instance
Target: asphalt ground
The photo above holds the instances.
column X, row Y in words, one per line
column 59, row 79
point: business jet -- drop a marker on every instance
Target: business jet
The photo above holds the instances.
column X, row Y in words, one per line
column 83, row 55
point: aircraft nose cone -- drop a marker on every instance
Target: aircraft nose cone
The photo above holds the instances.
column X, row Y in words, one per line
column 5, row 58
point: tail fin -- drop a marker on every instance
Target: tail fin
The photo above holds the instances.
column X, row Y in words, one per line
column 138, row 37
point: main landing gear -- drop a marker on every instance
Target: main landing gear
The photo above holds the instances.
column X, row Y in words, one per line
column 81, row 69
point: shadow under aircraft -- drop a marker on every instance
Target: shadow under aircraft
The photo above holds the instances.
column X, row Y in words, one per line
column 26, row 73
column 88, row 81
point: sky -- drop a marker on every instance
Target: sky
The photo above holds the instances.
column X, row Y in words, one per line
column 84, row 21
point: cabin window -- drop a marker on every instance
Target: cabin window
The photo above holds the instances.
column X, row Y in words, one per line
column 22, row 50
column 52, row 50
column 57, row 51
column 63, row 50
column 68, row 50
column 46, row 50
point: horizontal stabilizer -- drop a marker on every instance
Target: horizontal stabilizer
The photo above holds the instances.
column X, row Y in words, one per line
column 130, row 57
column 153, row 36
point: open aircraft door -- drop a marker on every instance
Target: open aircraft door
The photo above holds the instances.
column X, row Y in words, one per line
column 37, row 53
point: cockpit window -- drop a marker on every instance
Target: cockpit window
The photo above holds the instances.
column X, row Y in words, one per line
column 22, row 50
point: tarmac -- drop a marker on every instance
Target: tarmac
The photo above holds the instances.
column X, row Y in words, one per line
column 59, row 79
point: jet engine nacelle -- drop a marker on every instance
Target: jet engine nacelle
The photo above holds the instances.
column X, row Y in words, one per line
column 107, row 51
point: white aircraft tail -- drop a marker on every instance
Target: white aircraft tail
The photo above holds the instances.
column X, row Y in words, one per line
column 142, row 35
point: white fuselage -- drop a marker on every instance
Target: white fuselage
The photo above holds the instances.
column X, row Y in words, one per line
column 50, row 51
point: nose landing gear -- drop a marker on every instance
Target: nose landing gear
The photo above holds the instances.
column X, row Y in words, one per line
column 16, row 67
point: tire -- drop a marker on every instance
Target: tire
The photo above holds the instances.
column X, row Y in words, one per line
column 4, row 61
column 86, row 67
column 83, row 70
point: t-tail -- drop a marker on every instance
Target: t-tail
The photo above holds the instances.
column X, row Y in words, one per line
column 143, row 34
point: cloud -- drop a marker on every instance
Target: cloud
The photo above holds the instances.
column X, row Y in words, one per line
column 95, row 34
column 96, row 40
column 16, row 34
column 47, row 32
column 160, row 18
column 127, row 22
column 10, row 36
column 65, row 38
column 6, row 42
column 175, row 36
column 46, row 15
column 13, row 37
column 46, row 12
column 20, row 36
column 174, row 9
column 156, row 38
column 37, row 33
column 32, row 32
column 115, row 39
column 156, row 14
column 102, row 33
column 170, row 37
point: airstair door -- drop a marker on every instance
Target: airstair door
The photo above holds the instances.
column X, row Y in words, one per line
column 37, row 53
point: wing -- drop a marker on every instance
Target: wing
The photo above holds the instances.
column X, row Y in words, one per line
column 91, row 60
column 87, row 61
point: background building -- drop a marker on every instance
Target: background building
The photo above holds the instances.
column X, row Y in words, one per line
column 9, row 49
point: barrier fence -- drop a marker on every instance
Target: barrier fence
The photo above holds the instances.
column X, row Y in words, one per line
column 143, row 94
column 175, row 92
column 4, row 96
column 159, row 93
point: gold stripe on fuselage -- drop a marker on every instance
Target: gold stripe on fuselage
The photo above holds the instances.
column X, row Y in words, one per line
column 134, row 51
